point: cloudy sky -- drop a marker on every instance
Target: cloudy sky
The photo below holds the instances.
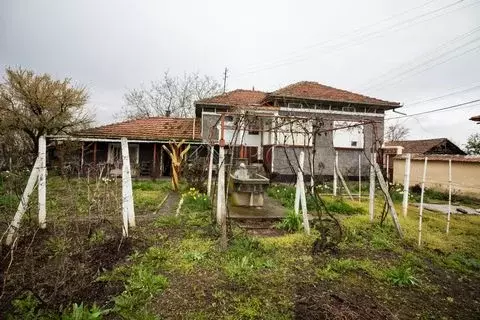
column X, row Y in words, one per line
column 408, row 51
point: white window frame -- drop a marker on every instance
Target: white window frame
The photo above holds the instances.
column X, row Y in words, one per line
column 134, row 148
column 345, row 138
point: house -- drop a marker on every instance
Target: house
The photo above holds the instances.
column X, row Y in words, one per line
column 465, row 172
column 304, row 116
column 146, row 139
column 419, row 148
column 346, row 122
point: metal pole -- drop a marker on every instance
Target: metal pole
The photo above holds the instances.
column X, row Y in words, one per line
column 210, row 170
column 42, row 183
column 335, row 181
column 371, row 206
column 359, row 177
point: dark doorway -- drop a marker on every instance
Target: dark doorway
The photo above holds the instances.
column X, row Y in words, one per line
column 167, row 164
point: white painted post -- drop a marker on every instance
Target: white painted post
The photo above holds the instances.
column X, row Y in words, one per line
column 221, row 185
column 301, row 189
column 421, row 203
column 42, row 182
column 371, row 206
column 335, row 181
column 22, row 206
column 312, row 190
column 210, row 170
column 388, row 167
column 384, row 186
column 359, row 177
column 127, row 203
column 449, row 193
column 406, row 184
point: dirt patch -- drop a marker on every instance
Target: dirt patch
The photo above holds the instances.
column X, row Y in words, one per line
column 324, row 301
column 60, row 266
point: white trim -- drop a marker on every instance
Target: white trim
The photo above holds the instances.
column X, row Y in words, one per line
column 334, row 112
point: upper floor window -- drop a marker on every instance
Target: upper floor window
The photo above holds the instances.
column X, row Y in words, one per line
column 294, row 105
column 348, row 134
column 348, row 109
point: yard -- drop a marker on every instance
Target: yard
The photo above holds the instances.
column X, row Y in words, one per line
column 173, row 268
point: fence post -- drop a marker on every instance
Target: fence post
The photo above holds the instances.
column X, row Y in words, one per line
column 42, row 182
column 406, row 184
column 421, row 203
column 22, row 206
column 301, row 193
column 335, row 178
column 449, row 193
column 127, row 204
column 359, row 177
column 210, row 170
column 371, row 205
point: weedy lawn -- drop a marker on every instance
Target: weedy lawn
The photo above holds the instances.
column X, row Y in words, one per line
column 175, row 269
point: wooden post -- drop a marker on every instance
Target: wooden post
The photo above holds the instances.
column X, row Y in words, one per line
column 82, row 157
column 42, row 182
column 22, row 206
column 371, row 205
column 388, row 167
column 335, row 166
column 340, row 175
column 359, row 177
column 154, row 166
column 393, row 212
column 301, row 193
column 421, row 203
column 95, row 152
column 406, row 184
column 221, row 206
column 449, row 194
column 127, row 204
column 210, row 170
column 312, row 169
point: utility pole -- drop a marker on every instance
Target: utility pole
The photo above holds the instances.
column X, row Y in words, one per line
column 225, row 76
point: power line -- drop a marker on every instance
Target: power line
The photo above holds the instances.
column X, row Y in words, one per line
column 414, row 70
column 366, row 37
column 475, row 86
column 430, row 53
column 459, row 105
column 344, row 35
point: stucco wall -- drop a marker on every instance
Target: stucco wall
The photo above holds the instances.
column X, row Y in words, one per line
column 465, row 175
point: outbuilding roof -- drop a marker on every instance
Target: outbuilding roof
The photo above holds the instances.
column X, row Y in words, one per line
column 428, row 146
column 154, row 128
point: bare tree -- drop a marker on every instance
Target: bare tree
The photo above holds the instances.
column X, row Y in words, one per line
column 171, row 96
column 395, row 132
column 33, row 105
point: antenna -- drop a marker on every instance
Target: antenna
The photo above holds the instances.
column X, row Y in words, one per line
column 225, row 76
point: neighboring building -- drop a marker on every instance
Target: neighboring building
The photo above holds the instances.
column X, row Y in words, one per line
column 465, row 172
column 417, row 148
column 347, row 123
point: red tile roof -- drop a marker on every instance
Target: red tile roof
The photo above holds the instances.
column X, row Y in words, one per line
column 236, row 98
column 424, row 146
column 476, row 118
column 317, row 91
column 155, row 128
column 300, row 90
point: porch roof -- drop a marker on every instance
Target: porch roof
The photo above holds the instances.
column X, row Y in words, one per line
column 148, row 129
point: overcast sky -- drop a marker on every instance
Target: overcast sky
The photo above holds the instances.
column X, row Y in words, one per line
column 406, row 51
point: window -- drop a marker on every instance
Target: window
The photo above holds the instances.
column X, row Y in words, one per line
column 254, row 127
column 348, row 109
column 294, row 105
column 348, row 134
column 115, row 153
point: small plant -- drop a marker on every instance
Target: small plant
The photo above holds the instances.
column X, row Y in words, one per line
column 58, row 245
column 97, row 237
column 81, row 312
column 402, row 276
column 194, row 201
column 342, row 207
column 291, row 223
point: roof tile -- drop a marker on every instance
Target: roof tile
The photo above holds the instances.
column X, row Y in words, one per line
column 154, row 128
